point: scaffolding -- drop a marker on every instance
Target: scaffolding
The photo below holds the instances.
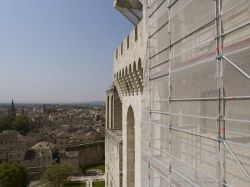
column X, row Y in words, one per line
column 196, row 101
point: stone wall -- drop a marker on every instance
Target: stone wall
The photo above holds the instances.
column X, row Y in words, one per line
column 113, row 161
column 125, row 157
column 135, row 103
column 113, row 109
column 90, row 153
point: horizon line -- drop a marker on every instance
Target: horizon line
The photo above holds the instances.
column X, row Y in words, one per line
column 83, row 102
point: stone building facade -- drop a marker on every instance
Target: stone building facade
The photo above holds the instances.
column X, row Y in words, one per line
column 188, row 123
column 87, row 153
column 113, row 157
column 123, row 110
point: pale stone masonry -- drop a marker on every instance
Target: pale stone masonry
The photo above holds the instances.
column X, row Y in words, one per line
column 129, row 62
column 123, row 111
column 113, row 154
column 182, row 76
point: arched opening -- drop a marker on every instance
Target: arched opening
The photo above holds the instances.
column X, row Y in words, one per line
column 130, row 148
column 112, row 112
column 123, row 73
column 139, row 63
column 134, row 67
column 126, row 71
column 120, row 74
column 140, row 68
column 107, row 113
column 130, row 69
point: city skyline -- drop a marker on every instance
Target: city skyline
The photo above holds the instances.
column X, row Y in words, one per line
column 58, row 51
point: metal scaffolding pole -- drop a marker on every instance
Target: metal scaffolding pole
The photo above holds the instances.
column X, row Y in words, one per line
column 194, row 105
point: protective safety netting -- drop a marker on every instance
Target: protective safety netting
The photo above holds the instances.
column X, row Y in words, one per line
column 196, row 98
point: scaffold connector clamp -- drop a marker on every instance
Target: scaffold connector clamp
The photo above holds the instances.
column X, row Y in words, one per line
column 218, row 57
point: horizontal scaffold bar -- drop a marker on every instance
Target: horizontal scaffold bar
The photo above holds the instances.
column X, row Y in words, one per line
column 195, row 134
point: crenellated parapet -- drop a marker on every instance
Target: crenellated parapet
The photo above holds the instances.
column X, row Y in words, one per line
column 129, row 63
column 129, row 80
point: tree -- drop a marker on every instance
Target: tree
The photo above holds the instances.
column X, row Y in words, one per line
column 51, row 110
column 57, row 174
column 12, row 175
column 21, row 124
column 5, row 123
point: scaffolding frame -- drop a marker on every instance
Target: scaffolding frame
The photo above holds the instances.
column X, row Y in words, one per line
column 172, row 146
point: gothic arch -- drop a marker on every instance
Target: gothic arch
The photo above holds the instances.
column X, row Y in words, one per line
column 139, row 64
column 134, row 67
column 126, row 71
column 120, row 75
column 107, row 113
column 130, row 148
column 130, row 68
column 123, row 73
column 112, row 112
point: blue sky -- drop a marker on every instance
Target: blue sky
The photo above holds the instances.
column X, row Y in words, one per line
column 58, row 50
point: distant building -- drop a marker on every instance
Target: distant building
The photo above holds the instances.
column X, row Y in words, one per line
column 12, row 147
column 12, row 111
column 43, row 153
column 87, row 153
column 73, row 159
column 44, row 111
column 61, row 140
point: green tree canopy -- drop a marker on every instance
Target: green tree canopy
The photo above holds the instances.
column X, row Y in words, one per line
column 21, row 124
column 5, row 122
column 57, row 174
column 51, row 110
column 12, row 175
